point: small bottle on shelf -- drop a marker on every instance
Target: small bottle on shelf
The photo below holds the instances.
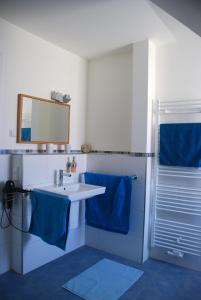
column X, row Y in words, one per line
column 73, row 165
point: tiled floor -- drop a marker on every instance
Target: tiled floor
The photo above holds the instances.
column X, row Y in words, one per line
column 160, row 281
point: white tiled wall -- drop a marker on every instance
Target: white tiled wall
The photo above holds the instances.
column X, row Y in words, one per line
column 130, row 245
column 33, row 170
column 4, row 234
column 37, row 170
column 148, row 203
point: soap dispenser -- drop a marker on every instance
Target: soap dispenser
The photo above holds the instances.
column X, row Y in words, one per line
column 73, row 165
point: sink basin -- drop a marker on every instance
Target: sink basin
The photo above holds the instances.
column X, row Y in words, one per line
column 75, row 191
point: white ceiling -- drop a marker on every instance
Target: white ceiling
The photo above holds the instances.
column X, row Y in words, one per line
column 186, row 11
column 87, row 27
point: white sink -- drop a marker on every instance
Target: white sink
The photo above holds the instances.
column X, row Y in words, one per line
column 75, row 191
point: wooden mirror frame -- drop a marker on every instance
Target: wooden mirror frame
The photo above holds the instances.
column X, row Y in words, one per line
column 19, row 120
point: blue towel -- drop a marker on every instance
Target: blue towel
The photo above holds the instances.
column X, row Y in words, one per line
column 180, row 144
column 26, row 134
column 109, row 211
column 50, row 217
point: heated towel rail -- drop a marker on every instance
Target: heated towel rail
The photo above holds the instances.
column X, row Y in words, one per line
column 176, row 203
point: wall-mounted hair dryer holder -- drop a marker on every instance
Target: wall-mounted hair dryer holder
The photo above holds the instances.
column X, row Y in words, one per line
column 9, row 193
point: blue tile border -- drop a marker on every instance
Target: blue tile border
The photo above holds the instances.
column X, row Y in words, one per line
column 30, row 151
column 2, row 151
column 135, row 154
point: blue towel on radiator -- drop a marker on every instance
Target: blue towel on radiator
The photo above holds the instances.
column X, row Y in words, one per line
column 50, row 217
column 109, row 211
column 180, row 144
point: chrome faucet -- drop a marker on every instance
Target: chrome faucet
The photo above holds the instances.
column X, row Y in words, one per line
column 63, row 173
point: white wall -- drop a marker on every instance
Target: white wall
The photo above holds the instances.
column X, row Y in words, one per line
column 34, row 66
column 143, row 95
column 178, row 69
column 110, row 101
column 121, row 89
column 31, row 171
column 131, row 245
column 31, row 65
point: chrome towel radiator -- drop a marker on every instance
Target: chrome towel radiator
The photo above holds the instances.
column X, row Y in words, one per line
column 176, row 201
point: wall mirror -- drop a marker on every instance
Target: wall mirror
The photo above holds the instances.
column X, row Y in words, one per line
column 42, row 121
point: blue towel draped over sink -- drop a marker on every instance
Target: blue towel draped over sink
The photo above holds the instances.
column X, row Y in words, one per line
column 50, row 217
column 180, row 144
column 109, row 211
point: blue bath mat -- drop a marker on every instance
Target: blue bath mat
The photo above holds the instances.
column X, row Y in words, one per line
column 106, row 280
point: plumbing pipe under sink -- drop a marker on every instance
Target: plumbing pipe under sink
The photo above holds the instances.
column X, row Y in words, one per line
column 74, row 215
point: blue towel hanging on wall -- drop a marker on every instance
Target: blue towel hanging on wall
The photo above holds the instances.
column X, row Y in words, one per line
column 180, row 144
column 109, row 211
column 50, row 217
